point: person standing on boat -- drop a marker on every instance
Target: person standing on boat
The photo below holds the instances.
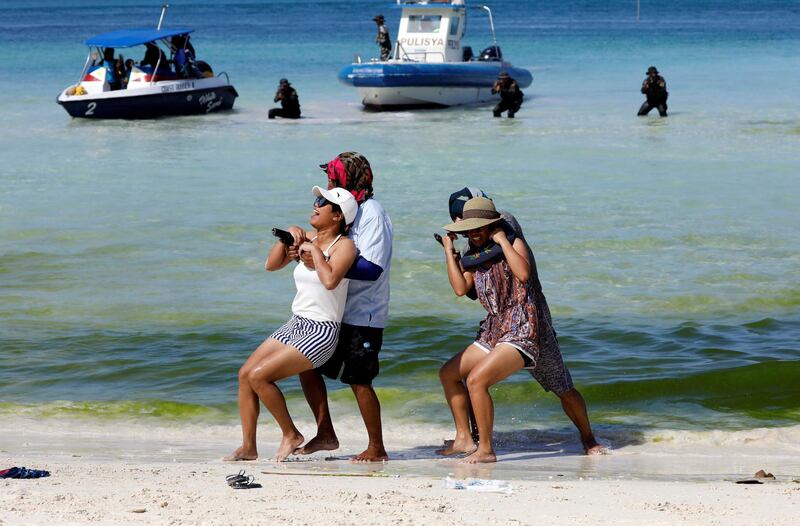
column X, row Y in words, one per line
column 154, row 56
column 290, row 102
column 382, row 38
column 510, row 95
column 355, row 361
column 550, row 370
column 183, row 56
column 112, row 70
column 309, row 338
column 126, row 77
column 654, row 88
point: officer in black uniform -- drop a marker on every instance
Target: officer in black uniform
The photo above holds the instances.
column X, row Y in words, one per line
column 290, row 103
column 382, row 38
column 153, row 56
column 510, row 95
column 655, row 88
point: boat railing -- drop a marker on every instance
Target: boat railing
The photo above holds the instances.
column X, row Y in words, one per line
column 227, row 79
column 410, row 56
column 85, row 67
column 491, row 22
column 398, row 47
column 425, row 55
column 158, row 62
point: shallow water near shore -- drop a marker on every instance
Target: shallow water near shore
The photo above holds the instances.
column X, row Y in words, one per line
column 131, row 253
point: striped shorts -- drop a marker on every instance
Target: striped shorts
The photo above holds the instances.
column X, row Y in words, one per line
column 316, row 340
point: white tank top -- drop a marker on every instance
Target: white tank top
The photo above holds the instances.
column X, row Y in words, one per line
column 313, row 300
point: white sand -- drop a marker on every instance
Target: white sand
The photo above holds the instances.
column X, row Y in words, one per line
column 115, row 492
column 145, row 473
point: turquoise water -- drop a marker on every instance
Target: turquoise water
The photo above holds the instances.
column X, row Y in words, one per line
column 131, row 253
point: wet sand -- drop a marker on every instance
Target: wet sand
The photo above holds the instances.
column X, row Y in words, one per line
column 103, row 473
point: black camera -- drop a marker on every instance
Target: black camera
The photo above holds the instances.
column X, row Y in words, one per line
column 285, row 237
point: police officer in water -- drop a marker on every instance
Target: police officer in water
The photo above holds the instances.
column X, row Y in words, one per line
column 382, row 38
column 655, row 88
column 510, row 95
column 290, row 103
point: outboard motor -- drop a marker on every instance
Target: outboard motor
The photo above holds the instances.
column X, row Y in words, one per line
column 467, row 54
column 491, row 54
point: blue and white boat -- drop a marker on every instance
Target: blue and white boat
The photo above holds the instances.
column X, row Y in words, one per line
column 429, row 66
column 148, row 91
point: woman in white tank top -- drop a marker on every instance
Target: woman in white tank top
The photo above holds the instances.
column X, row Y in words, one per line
column 309, row 338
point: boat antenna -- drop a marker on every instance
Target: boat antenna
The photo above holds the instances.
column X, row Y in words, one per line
column 164, row 8
column 491, row 23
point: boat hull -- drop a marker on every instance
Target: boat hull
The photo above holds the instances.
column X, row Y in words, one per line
column 412, row 97
column 150, row 103
column 400, row 85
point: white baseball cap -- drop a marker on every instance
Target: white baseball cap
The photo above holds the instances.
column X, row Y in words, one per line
column 342, row 198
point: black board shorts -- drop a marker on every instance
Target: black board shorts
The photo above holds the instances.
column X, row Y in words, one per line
column 355, row 360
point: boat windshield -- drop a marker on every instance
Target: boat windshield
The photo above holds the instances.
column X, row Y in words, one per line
column 424, row 23
column 454, row 26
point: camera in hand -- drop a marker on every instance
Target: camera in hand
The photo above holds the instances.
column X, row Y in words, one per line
column 285, row 237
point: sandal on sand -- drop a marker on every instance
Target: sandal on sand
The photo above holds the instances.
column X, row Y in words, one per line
column 245, row 484
column 23, row 473
column 230, row 479
column 242, row 481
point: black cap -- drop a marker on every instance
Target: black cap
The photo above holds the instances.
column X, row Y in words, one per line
column 459, row 199
column 283, row 81
column 652, row 69
column 379, row 18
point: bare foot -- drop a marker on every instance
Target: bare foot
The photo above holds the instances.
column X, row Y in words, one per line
column 318, row 443
column 372, row 454
column 457, row 447
column 288, row 445
column 593, row 448
column 241, row 454
column 480, row 457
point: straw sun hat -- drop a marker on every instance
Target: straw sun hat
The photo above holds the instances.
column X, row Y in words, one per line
column 478, row 212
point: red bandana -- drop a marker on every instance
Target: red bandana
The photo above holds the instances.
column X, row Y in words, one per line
column 351, row 171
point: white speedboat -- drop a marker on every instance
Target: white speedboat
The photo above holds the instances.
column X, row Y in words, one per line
column 429, row 66
column 147, row 91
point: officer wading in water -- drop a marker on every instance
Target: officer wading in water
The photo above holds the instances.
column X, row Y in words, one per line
column 290, row 103
column 655, row 88
column 382, row 38
column 510, row 95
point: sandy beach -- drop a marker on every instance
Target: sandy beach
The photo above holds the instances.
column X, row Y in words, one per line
column 177, row 493
column 122, row 473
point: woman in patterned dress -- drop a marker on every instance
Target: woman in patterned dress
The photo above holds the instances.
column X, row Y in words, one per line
column 508, row 338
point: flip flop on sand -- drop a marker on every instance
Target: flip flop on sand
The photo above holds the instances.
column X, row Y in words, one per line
column 230, row 479
column 23, row 473
column 242, row 481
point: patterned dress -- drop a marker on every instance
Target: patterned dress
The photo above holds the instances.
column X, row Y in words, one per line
column 517, row 314
column 512, row 315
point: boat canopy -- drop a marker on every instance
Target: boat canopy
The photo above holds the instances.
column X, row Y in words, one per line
column 134, row 37
column 431, row 5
